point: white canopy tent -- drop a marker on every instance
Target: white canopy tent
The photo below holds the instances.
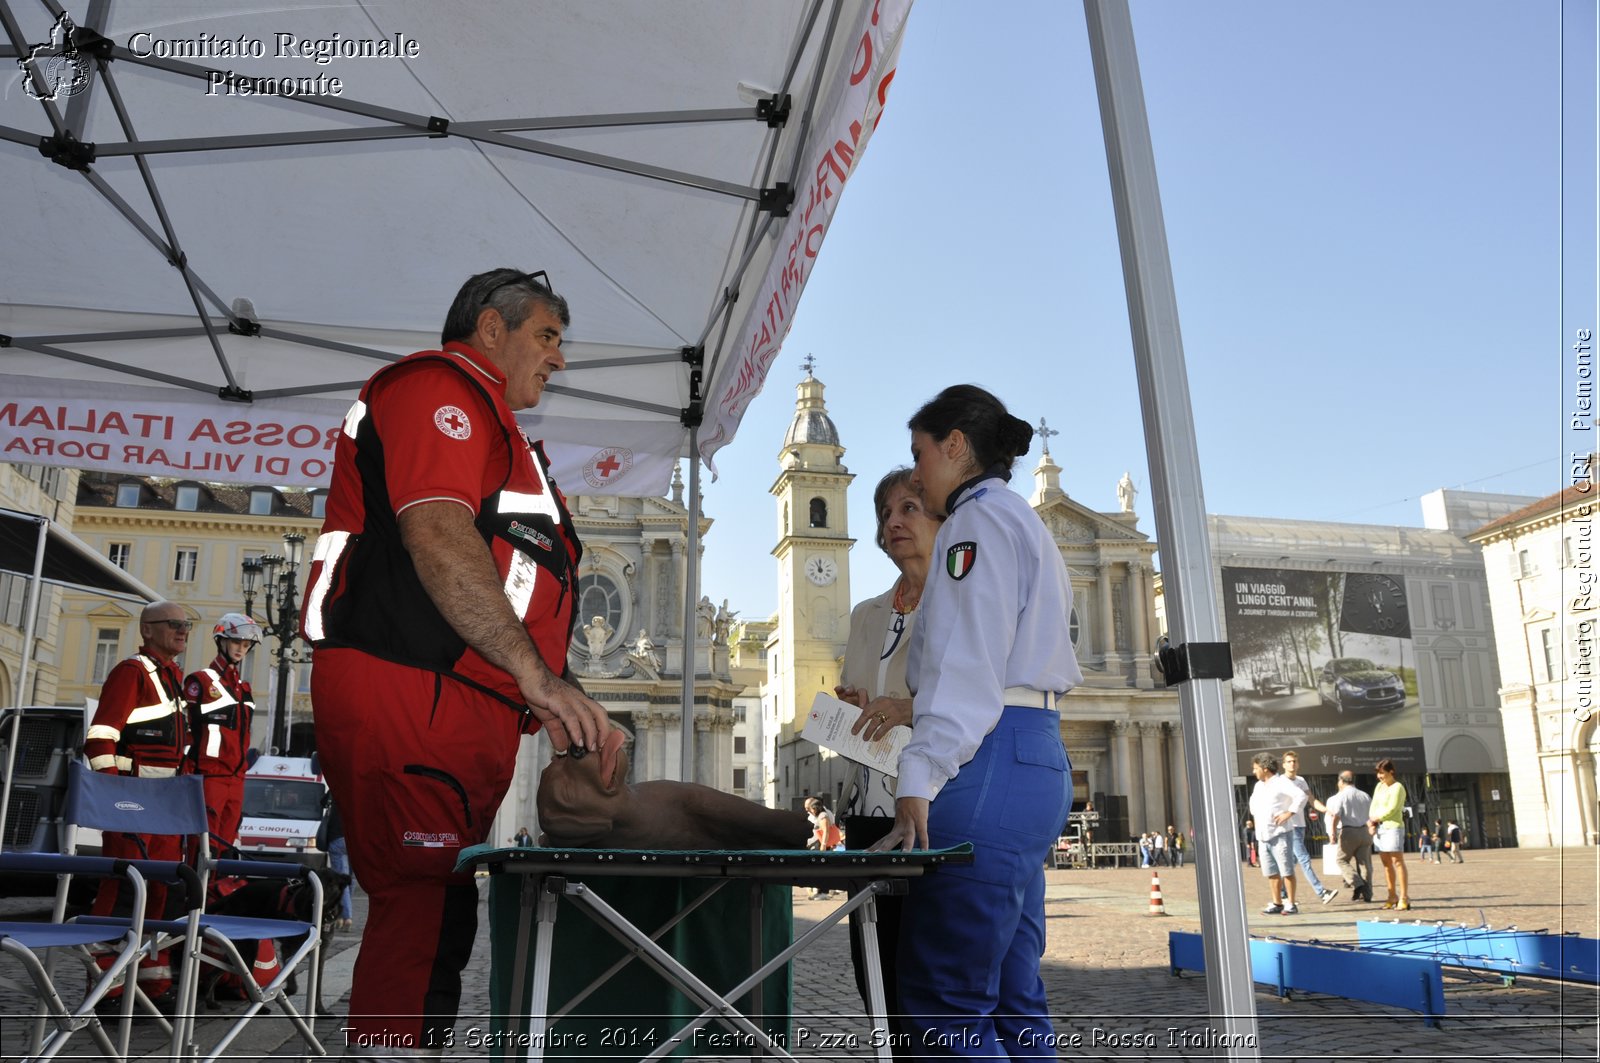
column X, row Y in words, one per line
column 226, row 215
column 220, row 218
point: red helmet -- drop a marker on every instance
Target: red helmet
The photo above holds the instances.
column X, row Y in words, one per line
column 237, row 626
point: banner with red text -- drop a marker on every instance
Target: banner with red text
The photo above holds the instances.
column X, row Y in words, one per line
column 146, row 431
column 852, row 107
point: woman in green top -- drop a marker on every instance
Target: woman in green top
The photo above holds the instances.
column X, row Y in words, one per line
column 1389, row 834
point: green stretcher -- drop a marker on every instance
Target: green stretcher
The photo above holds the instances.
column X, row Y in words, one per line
column 682, row 952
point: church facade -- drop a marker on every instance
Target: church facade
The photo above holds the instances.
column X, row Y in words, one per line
column 1120, row 728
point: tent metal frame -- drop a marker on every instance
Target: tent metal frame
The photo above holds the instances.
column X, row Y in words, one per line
column 1200, row 662
column 771, row 200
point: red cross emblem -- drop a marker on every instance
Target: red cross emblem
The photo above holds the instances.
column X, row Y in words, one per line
column 452, row 421
column 607, row 466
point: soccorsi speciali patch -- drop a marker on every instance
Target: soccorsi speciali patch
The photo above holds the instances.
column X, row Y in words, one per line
column 960, row 558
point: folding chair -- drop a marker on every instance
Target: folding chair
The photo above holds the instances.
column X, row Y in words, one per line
column 103, row 799
column 124, row 939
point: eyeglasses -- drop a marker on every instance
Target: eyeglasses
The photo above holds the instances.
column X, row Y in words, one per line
column 538, row 276
column 176, row 625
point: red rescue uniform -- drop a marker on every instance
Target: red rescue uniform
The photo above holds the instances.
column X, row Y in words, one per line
column 418, row 734
column 220, row 705
column 139, row 729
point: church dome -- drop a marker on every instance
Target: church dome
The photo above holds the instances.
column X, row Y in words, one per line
column 811, row 422
column 812, row 426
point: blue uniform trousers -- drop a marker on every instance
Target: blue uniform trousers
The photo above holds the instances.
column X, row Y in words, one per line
column 971, row 937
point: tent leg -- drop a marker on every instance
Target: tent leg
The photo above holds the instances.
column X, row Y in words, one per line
column 1179, row 510
column 691, row 588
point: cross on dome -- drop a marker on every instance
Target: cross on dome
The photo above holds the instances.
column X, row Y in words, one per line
column 1045, row 432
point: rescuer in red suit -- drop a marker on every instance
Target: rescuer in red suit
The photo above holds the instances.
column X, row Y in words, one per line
column 139, row 729
column 440, row 605
column 220, row 707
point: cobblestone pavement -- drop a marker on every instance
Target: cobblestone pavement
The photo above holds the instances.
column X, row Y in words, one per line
column 1112, row 994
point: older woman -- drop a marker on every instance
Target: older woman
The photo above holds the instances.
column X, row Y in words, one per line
column 874, row 678
column 985, row 763
column 1387, row 825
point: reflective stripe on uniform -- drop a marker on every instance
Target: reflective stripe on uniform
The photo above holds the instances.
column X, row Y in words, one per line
column 221, row 701
column 100, row 730
column 330, row 547
column 543, row 503
column 520, row 502
column 353, row 418
column 104, row 761
column 519, row 583
column 151, row 712
column 150, row 771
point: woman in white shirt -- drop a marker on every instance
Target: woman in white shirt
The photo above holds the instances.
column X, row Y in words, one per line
column 985, row 763
column 874, row 679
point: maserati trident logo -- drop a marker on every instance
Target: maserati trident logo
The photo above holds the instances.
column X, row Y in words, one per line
column 1376, row 600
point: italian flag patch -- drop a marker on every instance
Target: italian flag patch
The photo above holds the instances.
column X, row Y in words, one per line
column 960, row 558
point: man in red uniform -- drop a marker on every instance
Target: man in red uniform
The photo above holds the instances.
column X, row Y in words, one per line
column 138, row 729
column 220, row 706
column 440, row 604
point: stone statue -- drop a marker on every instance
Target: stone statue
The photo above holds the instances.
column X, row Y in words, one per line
column 645, row 650
column 705, row 619
column 1126, row 492
column 724, row 622
column 598, row 633
column 585, row 802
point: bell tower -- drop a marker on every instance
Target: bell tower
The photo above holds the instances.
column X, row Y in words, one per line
column 813, row 554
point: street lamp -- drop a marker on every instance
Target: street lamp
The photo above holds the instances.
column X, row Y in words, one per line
column 275, row 574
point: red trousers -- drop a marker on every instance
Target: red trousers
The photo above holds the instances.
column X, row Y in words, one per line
column 155, row 973
column 418, row 764
column 224, row 809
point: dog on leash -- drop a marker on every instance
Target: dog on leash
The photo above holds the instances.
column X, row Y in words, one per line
column 270, row 899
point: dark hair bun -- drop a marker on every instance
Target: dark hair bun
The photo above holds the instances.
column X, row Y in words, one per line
column 1016, row 436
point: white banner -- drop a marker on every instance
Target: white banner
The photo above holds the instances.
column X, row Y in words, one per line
column 846, row 125
column 145, row 431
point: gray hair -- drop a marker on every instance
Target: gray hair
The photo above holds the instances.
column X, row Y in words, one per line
column 509, row 292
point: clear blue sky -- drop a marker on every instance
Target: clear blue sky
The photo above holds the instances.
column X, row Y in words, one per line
column 1362, row 205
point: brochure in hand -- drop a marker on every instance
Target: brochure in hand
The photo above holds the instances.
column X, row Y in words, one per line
column 828, row 725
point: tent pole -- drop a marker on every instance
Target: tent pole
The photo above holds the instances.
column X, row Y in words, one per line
column 1180, row 515
column 26, row 658
column 691, row 585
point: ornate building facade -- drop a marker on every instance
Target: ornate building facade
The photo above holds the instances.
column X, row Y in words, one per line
column 812, row 623
column 187, row 540
column 1120, row 730
column 51, row 492
column 1540, row 564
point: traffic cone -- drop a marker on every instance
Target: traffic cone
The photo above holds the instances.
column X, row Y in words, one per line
column 1156, row 907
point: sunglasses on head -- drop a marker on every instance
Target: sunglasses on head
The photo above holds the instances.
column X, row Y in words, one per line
column 538, row 276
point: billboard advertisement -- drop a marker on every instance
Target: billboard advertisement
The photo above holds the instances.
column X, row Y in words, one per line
column 1323, row 663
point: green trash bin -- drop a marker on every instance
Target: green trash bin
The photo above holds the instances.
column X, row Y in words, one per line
column 636, row 1009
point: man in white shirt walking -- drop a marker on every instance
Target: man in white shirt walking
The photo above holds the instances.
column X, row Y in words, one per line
column 1273, row 804
column 1291, row 771
column 1348, row 811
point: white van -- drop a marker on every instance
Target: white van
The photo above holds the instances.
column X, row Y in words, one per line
column 285, row 800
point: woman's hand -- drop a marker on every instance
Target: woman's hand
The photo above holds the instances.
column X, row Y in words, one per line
column 910, row 830
column 881, row 716
column 853, row 695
